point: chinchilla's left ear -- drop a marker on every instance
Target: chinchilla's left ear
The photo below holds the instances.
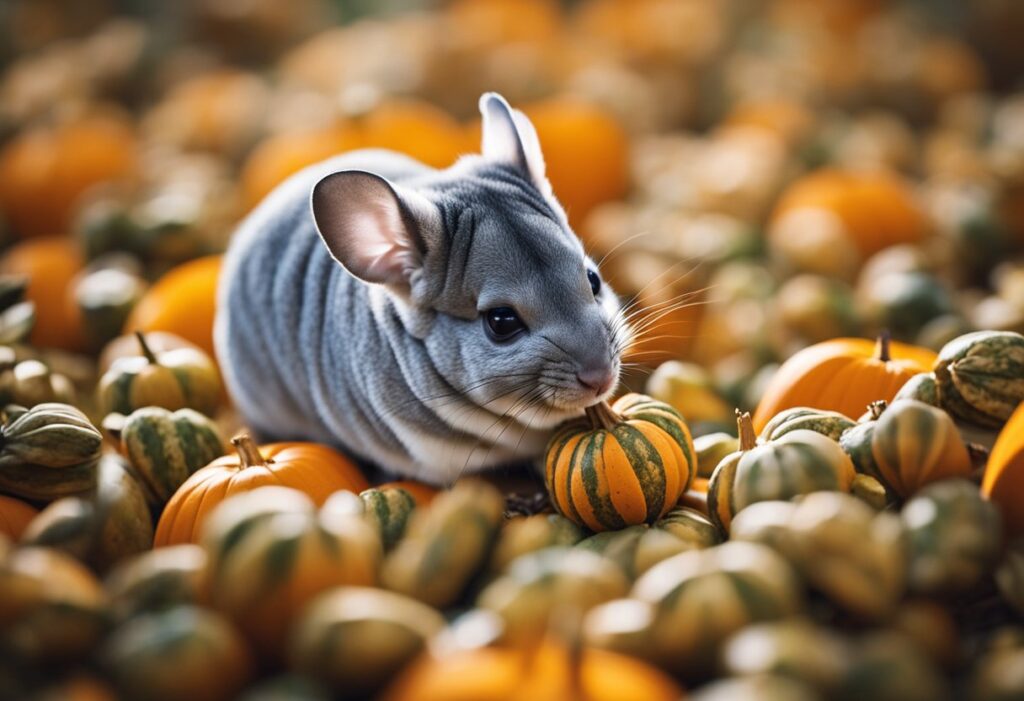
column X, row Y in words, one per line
column 510, row 139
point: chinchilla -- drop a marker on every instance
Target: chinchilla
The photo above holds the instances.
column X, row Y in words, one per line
column 430, row 322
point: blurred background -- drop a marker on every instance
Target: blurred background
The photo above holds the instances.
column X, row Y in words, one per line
column 755, row 176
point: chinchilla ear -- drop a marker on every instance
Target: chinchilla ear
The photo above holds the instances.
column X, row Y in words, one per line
column 509, row 138
column 377, row 230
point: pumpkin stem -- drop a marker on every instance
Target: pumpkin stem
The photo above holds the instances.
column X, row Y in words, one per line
column 601, row 415
column 876, row 408
column 882, row 351
column 248, row 452
column 745, row 429
column 146, row 350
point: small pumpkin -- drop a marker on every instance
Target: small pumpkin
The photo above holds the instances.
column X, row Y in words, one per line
column 954, row 535
column 827, row 423
column 796, row 648
column 104, row 299
column 315, row 469
column 1003, row 482
column 17, row 315
column 909, row 445
column 687, row 388
column 887, row 666
column 842, row 375
column 156, row 580
column 31, row 382
column 15, row 515
column 767, row 687
column 48, row 451
column 389, row 510
column 720, row 501
column 270, row 550
column 173, row 379
column 623, row 465
column 923, row 387
column 710, row 449
column 182, row 653
column 165, row 448
column 980, row 376
column 423, row 493
column 996, row 675
column 528, row 534
column 446, row 544
column 353, row 640
column 904, row 302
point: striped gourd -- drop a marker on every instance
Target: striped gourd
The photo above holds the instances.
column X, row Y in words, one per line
column 955, row 537
column 691, row 526
column 270, row 552
column 980, row 376
column 720, row 502
column 908, row 446
column 446, row 544
column 827, row 423
column 621, row 466
column 740, row 582
column 528, row 534
column 710, row 449
column 921, row 387
column 165, row 448
column 156, row 580
column 539, row 584
column 174, row 379
column 388, row 509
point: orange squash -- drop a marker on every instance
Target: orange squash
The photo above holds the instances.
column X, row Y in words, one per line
column 844, row 375
column 417, row 129
column 877, row 209
column 50, row 264
column 314, row 469
column 483, row 24
column 44, row 170
column 1003, row 482
column 15, row 515
column 183, row 302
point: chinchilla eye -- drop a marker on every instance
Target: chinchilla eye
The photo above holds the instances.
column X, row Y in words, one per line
column 502, row 323
column 595, row 281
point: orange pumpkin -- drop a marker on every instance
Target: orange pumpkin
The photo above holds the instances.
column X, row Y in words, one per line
column 423, row 494
column 50, row 264
column 1003, row 482
column 314, row 469
column 280, row 155
column 483, row 24
column 788, row 119
column 844, row 375
column 417, row 129
column 15, row 515
column 183, row 302
column 877, row 209
column 45, row 170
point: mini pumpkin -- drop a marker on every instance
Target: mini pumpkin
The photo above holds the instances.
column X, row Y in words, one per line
column 315, row 469
column 623, row 465
column 389, row 510
column 104, row 299
column 31, row 382
column 173, row 379
column 1003, row 481
column 710, row 449
column 156, row 580
column 980, row 376
column 15, row 515
column 827, row 423
column 528, row 534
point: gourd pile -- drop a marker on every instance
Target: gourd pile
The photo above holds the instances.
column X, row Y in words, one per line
column 811, row 486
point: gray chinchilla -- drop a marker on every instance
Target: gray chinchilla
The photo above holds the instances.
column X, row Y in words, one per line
column 432, row 322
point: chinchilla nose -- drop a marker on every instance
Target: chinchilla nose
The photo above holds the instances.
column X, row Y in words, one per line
column 598, row 378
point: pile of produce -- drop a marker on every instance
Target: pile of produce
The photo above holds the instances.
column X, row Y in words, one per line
column 811, row 485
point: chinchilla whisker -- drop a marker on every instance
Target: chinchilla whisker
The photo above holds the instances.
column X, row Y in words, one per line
column 508, row 417
column 617, row 247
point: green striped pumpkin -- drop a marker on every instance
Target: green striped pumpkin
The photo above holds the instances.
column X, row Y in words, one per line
column 621, row 466
column 980, row 376
column 156, row 580
column 922, row 387
column 702, row 597
column 165, row 448
column 527, row 534
column 446, row 545
column 710, row 449
column 270, row 551
column 955, row 537
column 828, row 423
column 175, row 379
column 796, row 648
column 388, row 510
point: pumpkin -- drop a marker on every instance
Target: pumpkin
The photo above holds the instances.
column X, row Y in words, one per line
column 546, row 673
column 720, row 502
column 127, row 346
column 182, row 302
column 182, row 653
column 415, row 128
column 844, row 548
column 15, row 515
column 50, row 266
column 841, row 375
column 446, row 544
column 48, row 451
column 796, row 648
column 932, row 628
column 888, row 666
column 904, row 302
column 173, row 379
column 623, row 465
column 762, row 688
column 31, row 382
column 423, row 493
column 165, row 448
column 51, row 606
column 104, row 299
column 980, row 376
column 354, row 640
column 710, row 449
column 528, row 534
column 955, row 537
column 315, row 469
column 1003, row 481
column 687, row 389
column 742, row 582
column 922, row 387
column 910, row 445
column 876, row 209
column 537, row 585
column 156, row 580
column 17, row 315
column 270, row 549
column 996, row 675
column 827, row 423
column 816, row 308
column 389, row 510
